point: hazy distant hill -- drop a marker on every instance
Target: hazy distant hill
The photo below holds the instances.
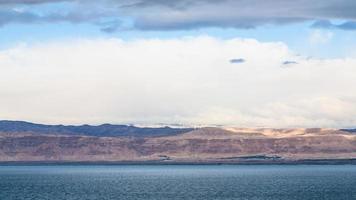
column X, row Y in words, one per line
column 23, row 141
column 349, row 130
column 101, row 130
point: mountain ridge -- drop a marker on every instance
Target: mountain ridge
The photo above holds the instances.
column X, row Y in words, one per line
column 89, row 130
column 28, row 142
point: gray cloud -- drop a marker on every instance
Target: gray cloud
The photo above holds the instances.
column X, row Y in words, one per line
column 188, row 14
column 14, row 2
column 12, row 16
column 326, row 24
column 172, row 4
column 237, row 60
column 289, row 62
column 191, row 14
column 110, row 26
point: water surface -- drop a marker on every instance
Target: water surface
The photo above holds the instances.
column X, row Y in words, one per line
column 158, row 182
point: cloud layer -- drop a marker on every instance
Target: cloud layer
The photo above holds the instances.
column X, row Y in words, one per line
column 187, row 14
column 187, row 80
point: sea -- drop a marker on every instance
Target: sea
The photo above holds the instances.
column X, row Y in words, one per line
column 178, row 182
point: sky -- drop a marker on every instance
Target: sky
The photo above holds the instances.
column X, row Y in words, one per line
column 247, row 63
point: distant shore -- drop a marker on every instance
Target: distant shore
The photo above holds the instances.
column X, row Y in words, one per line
column 245, row 162
column 28, row 143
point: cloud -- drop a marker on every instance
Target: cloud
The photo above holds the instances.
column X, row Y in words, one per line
column 189, row 14
column 23, row 2
column 237, row 60
column 287, row 62
column 110, row 26
column 323, row 24
column 16, row 17
column 29, row 12
column 192, row 14
column 8, row 16
column 326, row 24
column 350, row 25
column 318, row 37
column 110, row 80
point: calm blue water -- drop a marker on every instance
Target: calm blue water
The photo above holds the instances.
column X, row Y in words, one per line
column 261, row 182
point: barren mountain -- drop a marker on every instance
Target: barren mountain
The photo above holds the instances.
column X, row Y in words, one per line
column 179, row 145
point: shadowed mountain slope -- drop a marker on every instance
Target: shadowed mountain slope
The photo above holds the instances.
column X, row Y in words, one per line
column 104, row 130
column 349, row 130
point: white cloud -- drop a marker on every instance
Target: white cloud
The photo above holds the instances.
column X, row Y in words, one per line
column 187, row 80
column 318, row 37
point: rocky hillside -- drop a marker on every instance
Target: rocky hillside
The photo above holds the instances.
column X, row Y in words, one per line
column 198, row 145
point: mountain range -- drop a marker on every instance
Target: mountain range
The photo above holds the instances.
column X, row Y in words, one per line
column 89, row 130
column 29, row 142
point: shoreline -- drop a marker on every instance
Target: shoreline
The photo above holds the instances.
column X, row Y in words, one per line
column 351, row 161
